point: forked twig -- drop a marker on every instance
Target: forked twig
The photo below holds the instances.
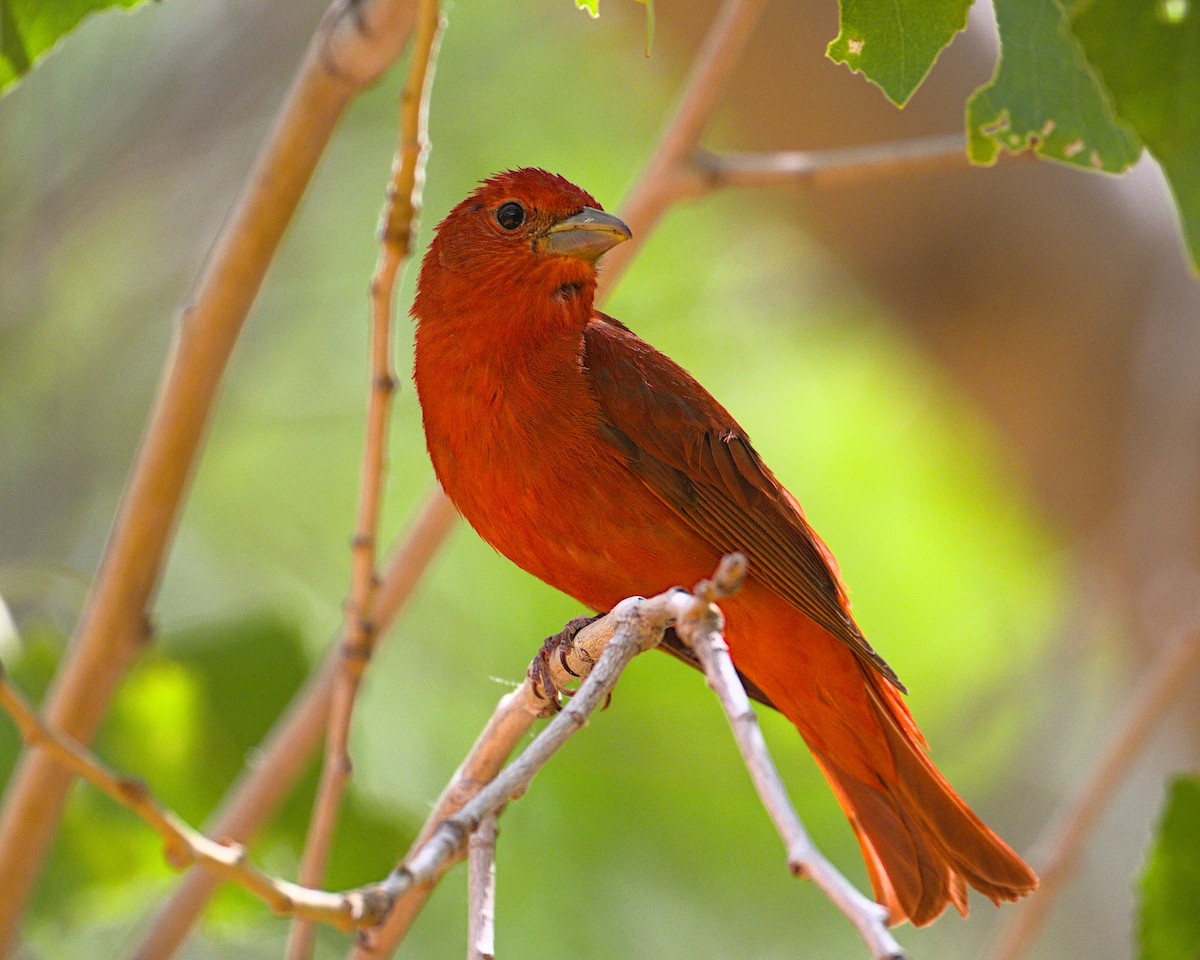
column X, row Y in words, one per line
column 481, row 770
column 396, row 234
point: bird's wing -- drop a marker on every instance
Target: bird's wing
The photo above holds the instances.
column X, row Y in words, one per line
column 688, row 450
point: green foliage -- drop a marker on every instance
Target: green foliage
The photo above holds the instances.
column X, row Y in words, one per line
column 1169, row 927
column 894, row 43
column 30, row 29
column 1044, row 96
column 1077, row 82
column 1148, row 55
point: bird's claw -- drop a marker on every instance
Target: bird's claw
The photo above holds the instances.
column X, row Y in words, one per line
column 540, row 674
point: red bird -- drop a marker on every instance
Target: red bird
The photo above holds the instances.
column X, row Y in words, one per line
column 597, row 464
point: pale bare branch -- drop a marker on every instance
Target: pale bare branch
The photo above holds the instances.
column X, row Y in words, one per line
column 481, row 892
column 633, row 625
column 460, row 804
column 354, row 44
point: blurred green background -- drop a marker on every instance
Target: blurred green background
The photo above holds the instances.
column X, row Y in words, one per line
column 121, row 155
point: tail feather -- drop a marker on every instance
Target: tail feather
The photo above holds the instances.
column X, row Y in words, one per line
column 921, row 842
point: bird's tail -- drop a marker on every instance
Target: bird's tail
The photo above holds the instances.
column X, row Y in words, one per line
column 921, row 842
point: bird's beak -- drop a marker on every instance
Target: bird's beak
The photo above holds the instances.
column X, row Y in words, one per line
column 584, row 236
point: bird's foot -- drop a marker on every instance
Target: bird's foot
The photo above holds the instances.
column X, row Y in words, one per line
column 540, row 674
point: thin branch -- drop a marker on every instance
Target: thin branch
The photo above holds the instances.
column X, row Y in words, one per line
column 703, row 630
column 481, row 892
column 816, row 169
column 1175, row 668
column 183, row 846
column 396, row 239
column 354, row 44
column 285, row 754
column 659, row 185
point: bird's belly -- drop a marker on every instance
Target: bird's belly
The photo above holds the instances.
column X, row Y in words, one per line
column 583, row 523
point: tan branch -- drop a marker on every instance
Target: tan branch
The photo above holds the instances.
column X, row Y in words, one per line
column 817, row 169
column 667, row 176
column 355, row 43
column 481, row 892
column 396, row 239
column 1170, row 675
column 285, row 755
column 702, row 629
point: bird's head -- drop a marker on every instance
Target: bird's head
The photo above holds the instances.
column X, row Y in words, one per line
column 524, row 231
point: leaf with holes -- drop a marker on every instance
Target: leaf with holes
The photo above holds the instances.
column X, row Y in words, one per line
column 1148, row 55
column 1044, row 97
column 894, row 43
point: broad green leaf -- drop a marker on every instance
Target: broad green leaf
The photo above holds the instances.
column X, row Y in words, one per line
column 894, row 43
column 30, row 29
column 1148, row 55
column 1044, row 97
column 1169, row 927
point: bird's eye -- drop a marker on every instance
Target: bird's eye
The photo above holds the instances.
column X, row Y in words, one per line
column 510, row 215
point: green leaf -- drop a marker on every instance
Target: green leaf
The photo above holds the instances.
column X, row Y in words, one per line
column 1169, row 927
column 30, row 29
column 894, row 43
column 1044, row 97
column 591, row 6
column 1148, row 55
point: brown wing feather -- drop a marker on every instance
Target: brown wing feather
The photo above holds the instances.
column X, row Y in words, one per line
column 693, row 456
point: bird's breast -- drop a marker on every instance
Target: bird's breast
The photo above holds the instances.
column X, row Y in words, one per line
column 518, row 450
